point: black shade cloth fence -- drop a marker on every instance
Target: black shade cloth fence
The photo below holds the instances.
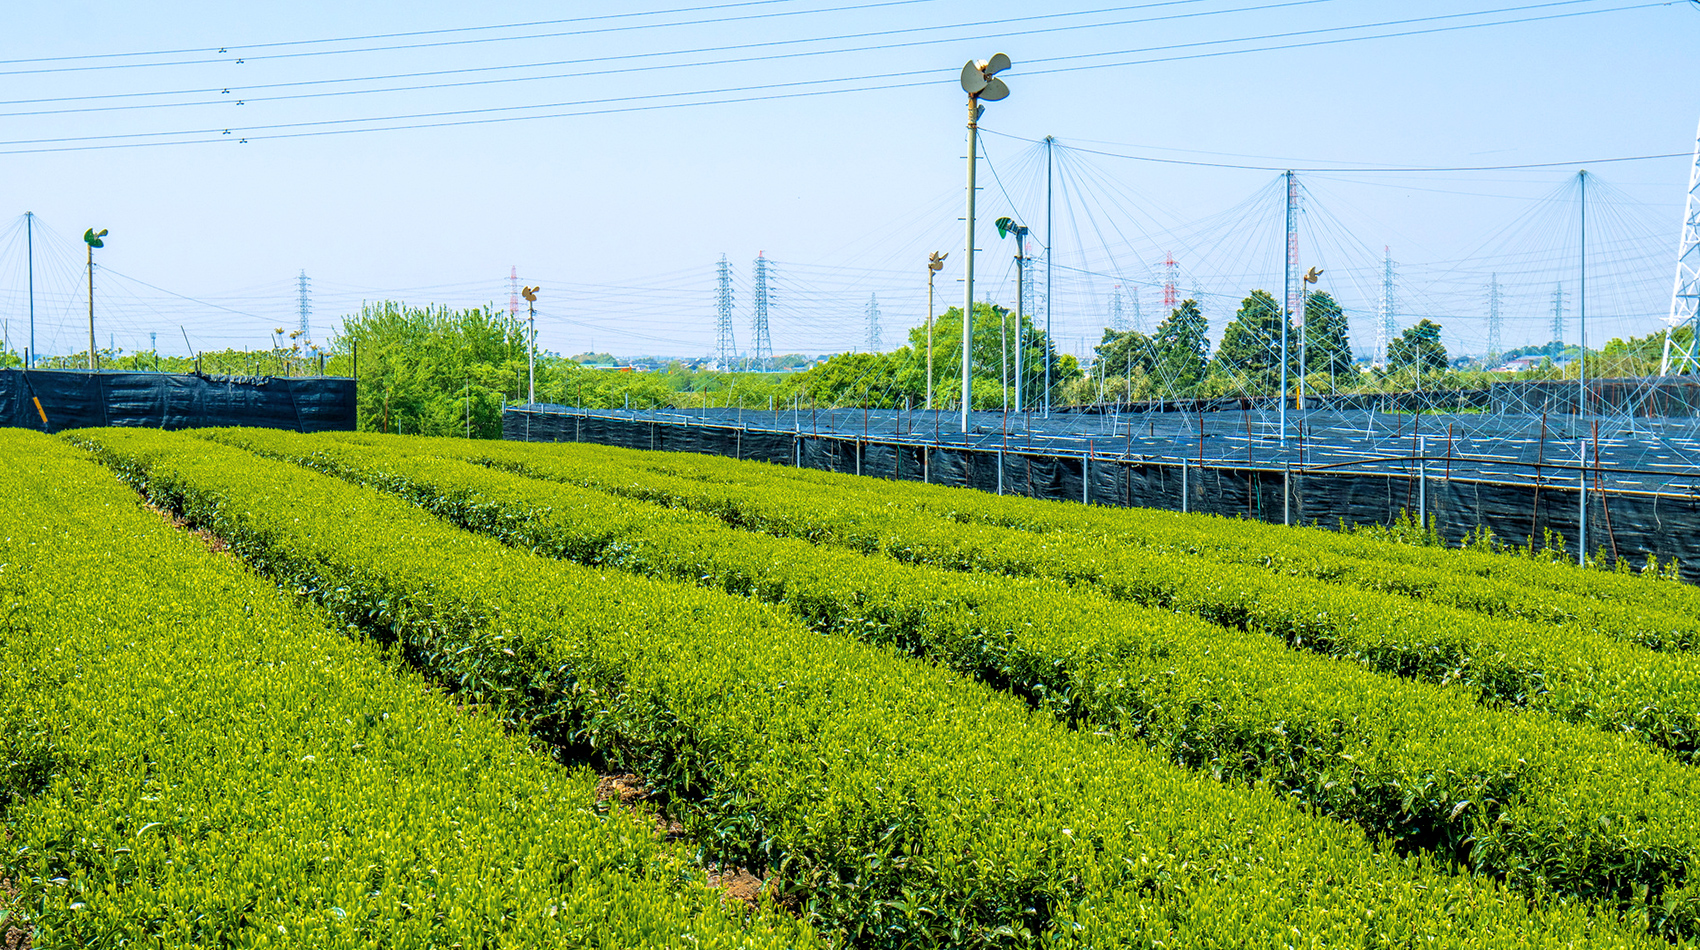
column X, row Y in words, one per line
column 1517, row 501
column 54, row 400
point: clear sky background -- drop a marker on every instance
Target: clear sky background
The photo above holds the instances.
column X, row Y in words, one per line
column 620, row 174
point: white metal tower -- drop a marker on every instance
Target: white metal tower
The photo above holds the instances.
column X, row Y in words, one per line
column 1558, row 318
column 1385, row 320
column 1118, row 323
column 763, row 351
column 725, row 349
column 305, row 304
column 1294, row 283
column 1685, row 295
column 875, row 344
column 1171, row 296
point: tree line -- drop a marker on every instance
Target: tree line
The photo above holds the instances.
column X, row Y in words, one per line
column 1176, row 360
column 443, row 371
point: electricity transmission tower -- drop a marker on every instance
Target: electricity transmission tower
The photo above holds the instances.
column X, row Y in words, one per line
column 874, row 342
column 1294, row 284
column 1558, row 319
column 1493, row 345
column 1685, row 295
column 725, row 349
column 1385, row 321
column 1117, row 322
column 305, row 304
column 763, row 351
column 1138, row 317
column 1171, row 296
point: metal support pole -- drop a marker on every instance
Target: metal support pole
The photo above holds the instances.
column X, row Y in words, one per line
column 1582, row 306
column 1184, row 498
column 1422, row 482
column 1286, row 300
column 1304, row 356
column 1086, row 476
column 930, row 273
column 29, row 239
column 1286, row 493
column 1000, row 471
column 968, row 272
column 1020, row 304
column 91, row 308
column 1050, row 143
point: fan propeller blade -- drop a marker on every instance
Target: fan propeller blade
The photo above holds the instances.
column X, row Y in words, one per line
column 972, row 79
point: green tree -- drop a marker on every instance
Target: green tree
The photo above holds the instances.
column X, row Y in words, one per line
column 436, row 371
column 993, row 343
column 1183, row 350
column 1328, row 348
column 853, row 379
column 1418, row 348
column 1251, row 346
column 1120, row 354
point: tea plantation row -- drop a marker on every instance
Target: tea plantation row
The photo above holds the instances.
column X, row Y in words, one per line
column 887, row 800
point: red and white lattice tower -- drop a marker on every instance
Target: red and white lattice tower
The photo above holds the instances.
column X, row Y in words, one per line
column 1171, row 297
column 1295, row 283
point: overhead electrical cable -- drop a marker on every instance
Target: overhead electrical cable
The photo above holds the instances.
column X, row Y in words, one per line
column 238, row 94
column 222, row 89
column 239, row 60
column 817, row 87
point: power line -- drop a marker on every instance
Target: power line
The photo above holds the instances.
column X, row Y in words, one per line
column 236, row 90
column 816, row 87
column 492, row 39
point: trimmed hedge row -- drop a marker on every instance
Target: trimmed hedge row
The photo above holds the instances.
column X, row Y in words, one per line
column 1443, row 573
column 1500, row 793
column 1660, row 615
column 1575, row 674
column 189, row 760
column 895, row 802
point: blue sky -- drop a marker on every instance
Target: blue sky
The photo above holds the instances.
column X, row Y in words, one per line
column 621, row 216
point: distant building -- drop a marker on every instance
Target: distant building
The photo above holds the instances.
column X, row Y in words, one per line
column 1519, row 364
